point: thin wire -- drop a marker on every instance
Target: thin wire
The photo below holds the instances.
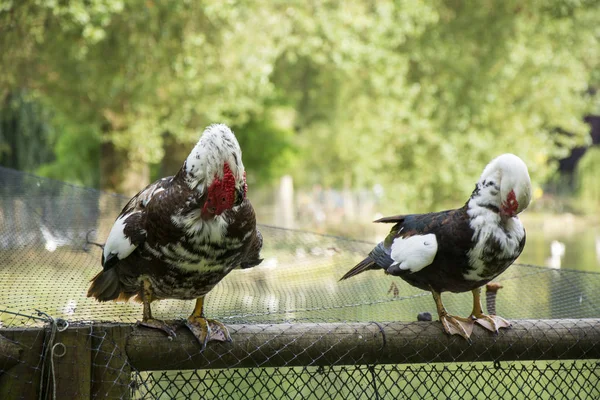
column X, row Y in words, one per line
column 56, row 325
column 374, row 380
column 26, row 315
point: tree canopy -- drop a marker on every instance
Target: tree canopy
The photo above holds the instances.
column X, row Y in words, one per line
column 414, row 95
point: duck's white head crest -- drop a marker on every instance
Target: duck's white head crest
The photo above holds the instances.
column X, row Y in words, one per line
column 505, row 185
column 215, row 166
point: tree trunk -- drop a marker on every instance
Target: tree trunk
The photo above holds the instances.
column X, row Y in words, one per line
column 175, row 154
column 119, row 173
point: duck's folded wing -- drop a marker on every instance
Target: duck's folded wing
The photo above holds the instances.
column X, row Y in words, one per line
column 129, row 230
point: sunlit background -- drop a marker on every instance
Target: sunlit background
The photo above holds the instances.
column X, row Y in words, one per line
column 345, row 111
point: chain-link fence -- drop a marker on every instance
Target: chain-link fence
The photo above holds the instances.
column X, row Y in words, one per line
column 298, row 333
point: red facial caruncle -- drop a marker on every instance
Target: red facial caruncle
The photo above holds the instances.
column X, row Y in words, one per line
column 510, row 206
column 221, row 194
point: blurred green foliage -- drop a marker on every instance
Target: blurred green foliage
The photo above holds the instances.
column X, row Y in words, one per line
column 24, row 125
column 414, row 95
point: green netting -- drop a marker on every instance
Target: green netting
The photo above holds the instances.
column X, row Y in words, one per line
column 46, row 263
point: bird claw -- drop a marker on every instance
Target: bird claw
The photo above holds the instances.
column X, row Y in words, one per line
column 206, row 330
column 219, row 332
column 492, row 322
column 158, row 324
column 457, row 326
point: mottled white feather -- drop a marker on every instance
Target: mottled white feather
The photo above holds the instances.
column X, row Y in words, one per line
column 146, row 199
column 201, row 231
column 509, row 239
column 506, row 172
column 216, row 146
column 503, row 174
column 117, row 243
column 415, row 252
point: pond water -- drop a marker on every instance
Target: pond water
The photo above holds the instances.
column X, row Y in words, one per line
column 562, row 241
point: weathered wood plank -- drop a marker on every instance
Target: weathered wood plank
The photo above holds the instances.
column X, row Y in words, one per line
column 363, row 343
column 111, row 372
column 23, row 380
column 72, row 364
column 10, row 354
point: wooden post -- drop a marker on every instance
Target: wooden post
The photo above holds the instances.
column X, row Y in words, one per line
column 22, row 381
column 284, row 209
column 72, row 365
column 111, row 373
column 10, row 354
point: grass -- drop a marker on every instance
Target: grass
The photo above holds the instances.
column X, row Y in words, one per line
column 516, row 380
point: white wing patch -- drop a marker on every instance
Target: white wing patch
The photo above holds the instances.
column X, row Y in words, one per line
column 117, row 243
column 415, row 252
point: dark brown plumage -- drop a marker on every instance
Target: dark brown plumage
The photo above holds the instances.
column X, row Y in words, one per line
column 463, row 249
column 181, row 235
column 454, row 239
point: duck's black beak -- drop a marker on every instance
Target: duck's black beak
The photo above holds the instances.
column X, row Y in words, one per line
column 239, row 197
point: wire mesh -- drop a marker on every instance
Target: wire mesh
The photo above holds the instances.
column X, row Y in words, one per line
column 569, row 380
column 47, row 261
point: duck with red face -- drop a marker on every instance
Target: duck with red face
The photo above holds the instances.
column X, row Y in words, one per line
column 181, row 235
column 222, row 194
column 462, row 249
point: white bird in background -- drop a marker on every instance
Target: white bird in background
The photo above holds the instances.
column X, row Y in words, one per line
column 53, row 240
column 70, row 307
column 557, row 252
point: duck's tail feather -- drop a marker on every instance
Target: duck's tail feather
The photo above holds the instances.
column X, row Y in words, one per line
column 362, row 266
column 105, row 286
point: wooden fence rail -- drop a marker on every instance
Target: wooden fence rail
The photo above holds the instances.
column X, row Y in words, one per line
column 98, row 358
